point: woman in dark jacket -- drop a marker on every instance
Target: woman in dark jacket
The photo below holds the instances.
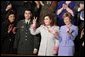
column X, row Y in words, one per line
column 8, row 33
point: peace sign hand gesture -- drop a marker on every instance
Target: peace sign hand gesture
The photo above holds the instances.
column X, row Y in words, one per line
column 34, row 20
column 34, row 23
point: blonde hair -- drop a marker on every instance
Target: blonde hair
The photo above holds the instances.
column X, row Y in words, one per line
column 67, row 14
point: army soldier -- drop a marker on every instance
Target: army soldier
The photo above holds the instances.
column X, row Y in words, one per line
column 24, row 41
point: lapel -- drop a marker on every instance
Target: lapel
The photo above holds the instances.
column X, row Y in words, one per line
column 26, row 27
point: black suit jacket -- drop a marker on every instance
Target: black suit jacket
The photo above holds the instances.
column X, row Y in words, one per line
column 7, row 39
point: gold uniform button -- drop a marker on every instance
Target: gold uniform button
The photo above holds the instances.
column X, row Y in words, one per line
column 26, row 33
column 25, row 36
column 25, row 39
column 9, row 39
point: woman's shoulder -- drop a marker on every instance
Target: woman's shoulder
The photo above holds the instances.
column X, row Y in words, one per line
column 62, row 27
column 55, row 26
column 42, row 26
column 75, row 27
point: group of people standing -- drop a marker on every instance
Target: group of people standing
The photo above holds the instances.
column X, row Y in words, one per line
column 21, row 37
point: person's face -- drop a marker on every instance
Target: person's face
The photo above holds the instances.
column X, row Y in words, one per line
column 67, row 20
column 47, row 20
column 27, row 14
column 11, row 18
column 81, row 6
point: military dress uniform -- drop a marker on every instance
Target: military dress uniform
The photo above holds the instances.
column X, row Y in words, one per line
column 24, row 41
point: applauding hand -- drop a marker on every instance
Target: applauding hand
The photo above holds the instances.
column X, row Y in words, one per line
column 54, row 32
column 10, row 28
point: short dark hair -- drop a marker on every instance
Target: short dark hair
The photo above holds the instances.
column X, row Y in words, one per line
column 27, row 9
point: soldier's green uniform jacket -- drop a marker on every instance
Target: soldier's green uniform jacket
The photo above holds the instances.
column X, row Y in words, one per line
column 24, row 41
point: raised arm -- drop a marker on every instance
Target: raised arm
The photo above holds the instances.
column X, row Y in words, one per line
column 37, row 4
column 41, row 3
column 33, row 29
column 59, row 11
column 70, row 11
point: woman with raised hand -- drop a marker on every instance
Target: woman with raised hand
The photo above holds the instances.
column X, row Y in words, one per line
column 49, row 36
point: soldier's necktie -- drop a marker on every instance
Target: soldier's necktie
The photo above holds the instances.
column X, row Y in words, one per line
column 26, row 24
